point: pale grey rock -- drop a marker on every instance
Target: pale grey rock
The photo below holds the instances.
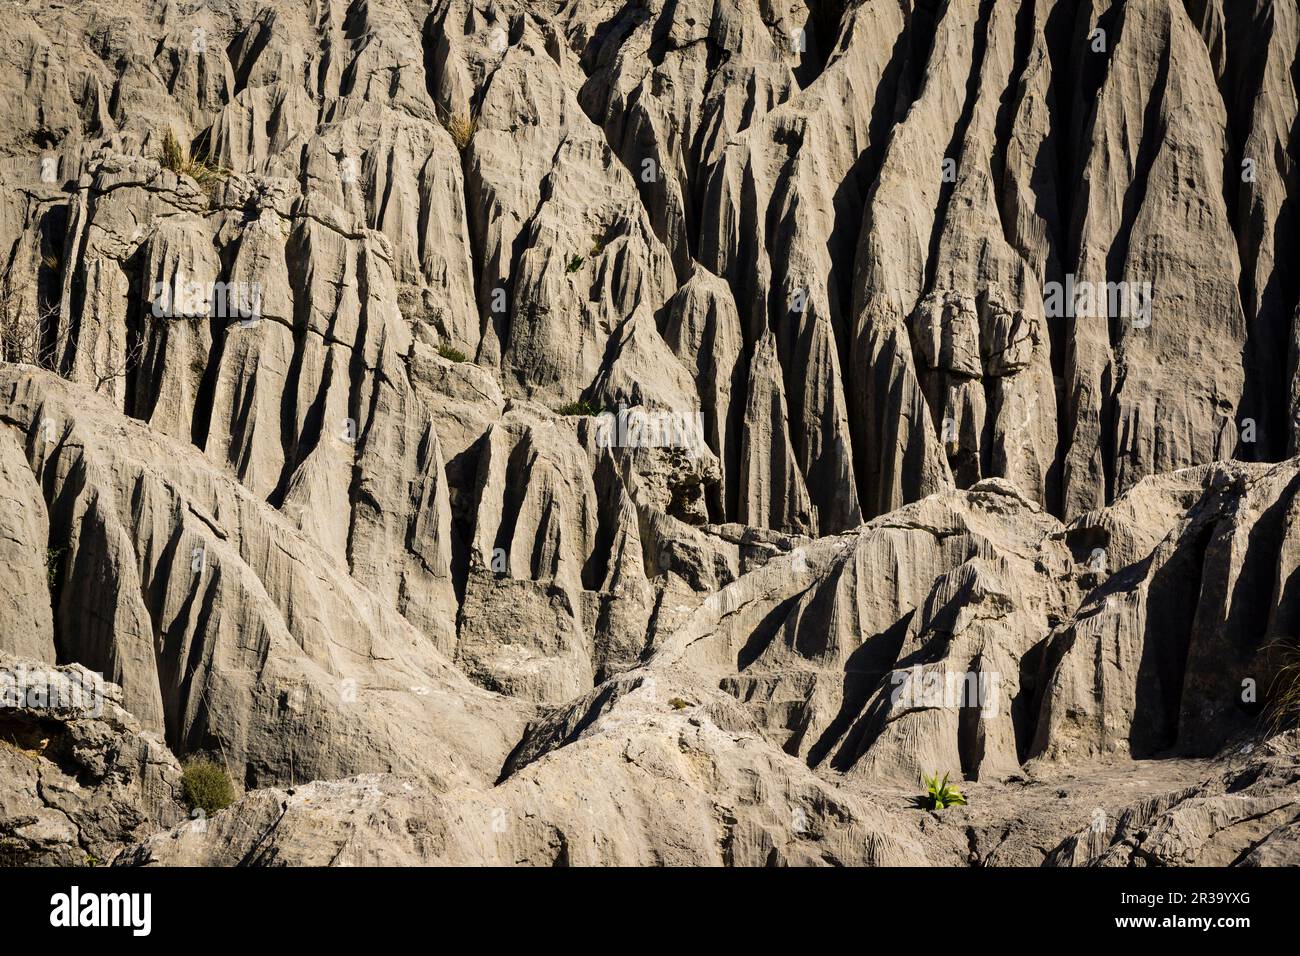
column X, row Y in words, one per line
column 1169, row 651
column 81, row 777
column 228, row 629
column 30, row 568
column 1244, row 814
column 633, row 775
column 826, row 237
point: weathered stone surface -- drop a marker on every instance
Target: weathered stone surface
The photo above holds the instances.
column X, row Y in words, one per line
column 836, row 644
column 228, row 629
column 28, row 566
column 1245, row 814
column 487, row 376
column 1170, row 650
column 81, row 777
column 631, row 775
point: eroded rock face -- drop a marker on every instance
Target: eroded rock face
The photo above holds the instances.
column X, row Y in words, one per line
column 1003, row 635
column 1171, row 651
column 1246, row 814
column 229, row 629
column 446, row 394
column 634, row 774
column 956, row 222
column 82, row 778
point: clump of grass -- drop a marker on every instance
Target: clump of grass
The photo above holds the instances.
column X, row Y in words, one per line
column 939, row 794
column 1284, row 691
column 574, row 264
column 52, row 556
column 206, row 786
column 451, row 354
column 202, row 169
column 678, row 703
column 462, row 128
column 580, row 408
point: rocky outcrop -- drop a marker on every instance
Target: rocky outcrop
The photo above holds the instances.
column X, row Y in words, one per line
column 750, row 406
column 229, row 629
column 844, row 672
column 1246, row 814
column 82, row 778
column 29, row 564
column 1002, row 635
column 1174, row 650
column 953, row 220
column 683, row 781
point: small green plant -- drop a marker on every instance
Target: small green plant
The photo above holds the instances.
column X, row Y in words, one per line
column 201, row 169
column 677, row 703
column 580, row 408
column 939, row 794
column 52, row 556
column 451, row 354
column 206, row 786
column 574, row 264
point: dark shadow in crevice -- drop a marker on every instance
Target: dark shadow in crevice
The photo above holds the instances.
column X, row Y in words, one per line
column 862, row 675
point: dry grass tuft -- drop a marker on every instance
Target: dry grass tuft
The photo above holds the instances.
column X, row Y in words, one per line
column 201, row 169
column 1283, row 709
column 461, row 128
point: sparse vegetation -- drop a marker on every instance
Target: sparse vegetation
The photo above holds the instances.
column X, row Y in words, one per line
column 29, row 738
column 206, row 786
column 202, row 169
column 52, row 556
column 451, row 353
column 1283, row 709
column 580, row 408
column 461, row 127
column 31, row 334
column 678, row 703
column 574, row 264
column 939, row 794
column 24, row 332
column 116, row 363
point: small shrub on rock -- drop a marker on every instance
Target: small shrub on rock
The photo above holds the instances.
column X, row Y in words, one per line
column 451, row 354
column 206, row 786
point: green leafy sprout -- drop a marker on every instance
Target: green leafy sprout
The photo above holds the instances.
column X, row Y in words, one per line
column 939, row 794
